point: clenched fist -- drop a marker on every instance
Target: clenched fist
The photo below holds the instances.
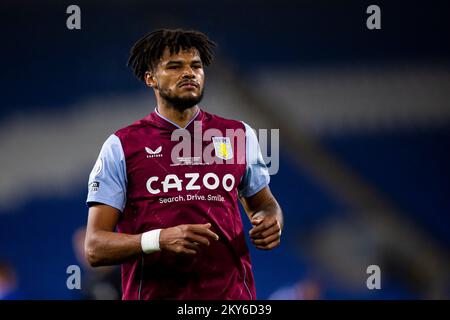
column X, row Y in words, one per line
column 266, row 232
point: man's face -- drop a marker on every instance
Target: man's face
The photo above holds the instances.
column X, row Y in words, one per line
column 179, row 78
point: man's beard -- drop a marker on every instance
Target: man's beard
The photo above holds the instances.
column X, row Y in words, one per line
column 180, row 103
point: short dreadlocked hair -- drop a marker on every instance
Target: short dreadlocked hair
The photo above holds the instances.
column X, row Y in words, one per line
column 146, row 52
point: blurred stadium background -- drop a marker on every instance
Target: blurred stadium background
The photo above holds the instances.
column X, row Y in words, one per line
column 364, row 119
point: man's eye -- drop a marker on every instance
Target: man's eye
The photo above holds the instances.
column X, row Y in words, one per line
column 197, row 66
column 173, row 67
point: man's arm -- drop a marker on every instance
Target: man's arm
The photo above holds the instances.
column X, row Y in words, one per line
column 103, row 246
column 266, row 217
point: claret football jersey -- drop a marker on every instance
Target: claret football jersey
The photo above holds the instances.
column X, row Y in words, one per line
column 158, row 176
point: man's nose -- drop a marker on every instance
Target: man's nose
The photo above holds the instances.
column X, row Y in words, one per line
column 188, row 73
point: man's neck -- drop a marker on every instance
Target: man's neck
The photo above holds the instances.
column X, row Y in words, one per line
column 181, row 118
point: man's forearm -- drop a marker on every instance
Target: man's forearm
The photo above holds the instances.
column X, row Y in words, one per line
column 109, row 248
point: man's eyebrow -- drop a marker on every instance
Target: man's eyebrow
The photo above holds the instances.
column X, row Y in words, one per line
column 174, row 62
column 181, row 61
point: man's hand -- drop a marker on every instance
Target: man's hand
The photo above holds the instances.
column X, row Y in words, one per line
column 186, row 238
column 266, row 217
column 266, row 231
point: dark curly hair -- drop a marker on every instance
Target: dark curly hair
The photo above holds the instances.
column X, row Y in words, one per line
column 146, row 52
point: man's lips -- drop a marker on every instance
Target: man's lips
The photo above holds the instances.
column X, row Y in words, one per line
column 188, row 85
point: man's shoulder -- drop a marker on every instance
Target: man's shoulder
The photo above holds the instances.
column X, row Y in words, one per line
column 133, row 128
column 219, row 121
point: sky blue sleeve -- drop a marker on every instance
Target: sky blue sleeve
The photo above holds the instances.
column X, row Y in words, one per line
column 256, row 175
column 108, row 178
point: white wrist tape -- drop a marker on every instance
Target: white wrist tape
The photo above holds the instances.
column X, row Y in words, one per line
column 150, row 241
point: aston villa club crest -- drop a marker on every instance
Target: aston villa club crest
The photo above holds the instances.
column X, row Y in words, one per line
column 223, row 148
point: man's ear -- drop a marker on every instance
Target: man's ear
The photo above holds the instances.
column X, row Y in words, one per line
column 150, row 80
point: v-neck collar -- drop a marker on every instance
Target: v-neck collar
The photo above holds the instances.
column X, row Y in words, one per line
column 167, row 122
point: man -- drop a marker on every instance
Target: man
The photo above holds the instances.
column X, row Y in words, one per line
column 180, row 233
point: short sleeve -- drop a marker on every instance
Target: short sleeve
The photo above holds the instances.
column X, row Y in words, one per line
column 108, row 179
column 256, row 175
